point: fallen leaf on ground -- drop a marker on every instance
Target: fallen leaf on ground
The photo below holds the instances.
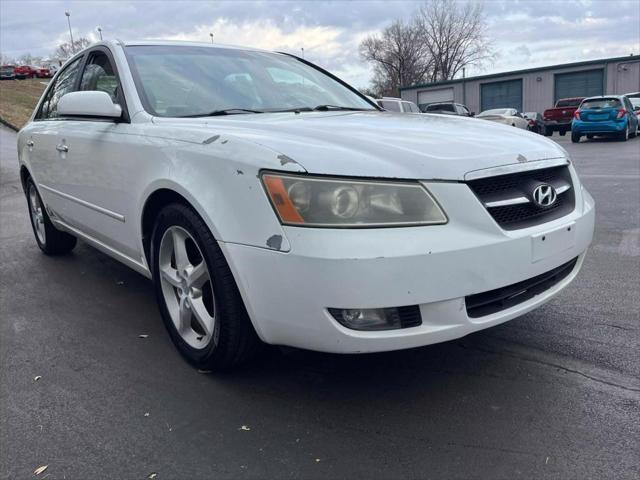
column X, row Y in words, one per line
column 146, row 414
column 120, row 282
column 153, row 475
column 245, row 428
column 41, row 469
column 317, row 459
column 36, row 378
column 144, row 335
column 204, row 371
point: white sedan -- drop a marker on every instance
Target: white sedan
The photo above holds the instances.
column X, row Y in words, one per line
column 271, row 202
column 506, row 116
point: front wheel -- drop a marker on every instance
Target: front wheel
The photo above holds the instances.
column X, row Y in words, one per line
column 198, row 297
column 575, row 137
column 50, row 240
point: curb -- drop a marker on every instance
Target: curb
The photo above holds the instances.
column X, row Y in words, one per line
column 7, row 124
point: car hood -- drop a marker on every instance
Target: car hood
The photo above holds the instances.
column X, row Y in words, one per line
column 378, row 144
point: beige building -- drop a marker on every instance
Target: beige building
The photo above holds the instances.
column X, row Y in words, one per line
column 535, row 89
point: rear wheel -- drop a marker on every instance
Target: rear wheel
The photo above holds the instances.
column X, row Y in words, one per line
column 575, row 137
column 548, row 131
column 198, row 297
column 624, row 135
column 50, row 240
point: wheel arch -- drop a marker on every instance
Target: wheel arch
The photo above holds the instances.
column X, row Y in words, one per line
column 25, row 175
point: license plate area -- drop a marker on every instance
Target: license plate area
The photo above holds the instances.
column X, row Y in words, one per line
column 598, row 117
column 547, row 244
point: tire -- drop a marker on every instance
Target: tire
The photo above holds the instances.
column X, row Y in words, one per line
column 548, row 131
column 50, row 240
column 575, row 137
column 624, row 135
column 210, row 328
column 562, row 132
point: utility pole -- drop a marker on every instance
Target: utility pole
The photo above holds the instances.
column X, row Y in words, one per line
column 211, row 35
column 302, row 52
column 68, row 14
column 100, row 32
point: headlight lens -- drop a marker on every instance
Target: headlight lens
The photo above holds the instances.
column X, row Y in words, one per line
column 330, row 202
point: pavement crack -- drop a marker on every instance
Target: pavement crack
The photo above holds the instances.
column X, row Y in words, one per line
column 551, row 364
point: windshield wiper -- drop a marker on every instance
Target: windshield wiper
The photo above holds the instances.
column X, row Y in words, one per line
column 324, row 108
column 226, row 111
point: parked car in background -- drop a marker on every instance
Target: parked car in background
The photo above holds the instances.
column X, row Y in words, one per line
column 634, row 98
column 7, row 72
column 611, row 115
column 448, row 108
column 24, row 71
column 507, row 116
column 558, row 119
column 393, row 104
column 536, row 123
column 40, row 72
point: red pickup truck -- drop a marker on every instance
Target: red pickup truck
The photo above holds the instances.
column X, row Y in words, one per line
column 558, row 119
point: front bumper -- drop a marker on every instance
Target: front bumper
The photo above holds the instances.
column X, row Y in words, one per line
column 435, row 267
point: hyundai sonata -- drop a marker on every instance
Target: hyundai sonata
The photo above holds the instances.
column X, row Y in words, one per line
column 271, row 202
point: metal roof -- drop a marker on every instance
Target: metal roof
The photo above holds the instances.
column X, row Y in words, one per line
column 630, row 58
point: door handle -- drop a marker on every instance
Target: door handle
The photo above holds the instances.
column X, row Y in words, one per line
column 62, row 148
column 30, row 143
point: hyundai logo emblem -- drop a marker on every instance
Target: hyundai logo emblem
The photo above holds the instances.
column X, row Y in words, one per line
column 544, row 195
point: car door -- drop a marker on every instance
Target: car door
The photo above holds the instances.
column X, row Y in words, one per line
column 100, row 164
column 42, row 139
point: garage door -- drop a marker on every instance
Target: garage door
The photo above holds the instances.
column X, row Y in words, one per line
column 506, row 94
column 587, row 83
column 434, row 96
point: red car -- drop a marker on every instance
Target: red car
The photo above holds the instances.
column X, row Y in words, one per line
column 41, row 72
column 22, row 72
column 559, row 118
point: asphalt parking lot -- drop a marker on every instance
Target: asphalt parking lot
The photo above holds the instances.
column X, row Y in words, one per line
column 554, row 394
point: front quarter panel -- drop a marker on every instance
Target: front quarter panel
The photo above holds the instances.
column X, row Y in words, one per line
column 220, row 177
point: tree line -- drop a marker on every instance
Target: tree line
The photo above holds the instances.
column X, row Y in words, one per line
column 442, row 38
column 62, row 52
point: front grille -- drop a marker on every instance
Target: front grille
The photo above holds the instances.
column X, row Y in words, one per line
column 521, row 185
column 486, row 303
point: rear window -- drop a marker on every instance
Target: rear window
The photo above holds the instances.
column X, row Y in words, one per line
column 570, row 102
column 390, row 105
column 602, row 103
column 443, row 107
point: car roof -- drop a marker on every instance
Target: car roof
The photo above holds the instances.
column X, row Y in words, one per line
column 180, row 43
column 598, row 97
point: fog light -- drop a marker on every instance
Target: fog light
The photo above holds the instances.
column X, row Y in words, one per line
column 370, row 319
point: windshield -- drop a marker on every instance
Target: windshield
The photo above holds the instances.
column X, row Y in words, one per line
column 569, row 102
column 496, row 111
column 6, row 69
column 177, row 81
column 601, row 103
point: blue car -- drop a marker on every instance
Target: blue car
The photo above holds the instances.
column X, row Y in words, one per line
column 611, row 115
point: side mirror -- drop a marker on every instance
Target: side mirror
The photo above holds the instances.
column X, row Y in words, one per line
column 89, row 104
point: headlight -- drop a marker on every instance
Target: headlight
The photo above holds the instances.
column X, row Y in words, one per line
column 331, row 202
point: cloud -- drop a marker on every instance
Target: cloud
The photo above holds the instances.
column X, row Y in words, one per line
column 525, row 33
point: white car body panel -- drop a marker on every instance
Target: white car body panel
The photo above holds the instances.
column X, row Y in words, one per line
column 289, row 276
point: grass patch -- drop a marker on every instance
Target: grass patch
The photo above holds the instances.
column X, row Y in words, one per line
column 18, row 98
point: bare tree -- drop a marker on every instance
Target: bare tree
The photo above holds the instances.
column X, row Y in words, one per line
column 65, row 50
column 455, row 36
column 399, row 57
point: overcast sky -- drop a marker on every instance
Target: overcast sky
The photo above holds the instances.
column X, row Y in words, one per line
column 524, row 33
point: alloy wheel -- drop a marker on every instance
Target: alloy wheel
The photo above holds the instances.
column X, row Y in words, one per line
column 187, row 287
column 37, row 214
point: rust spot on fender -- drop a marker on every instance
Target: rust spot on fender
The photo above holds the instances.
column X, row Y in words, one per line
column 284, row 160
column 274, row 242
column 211, row 139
